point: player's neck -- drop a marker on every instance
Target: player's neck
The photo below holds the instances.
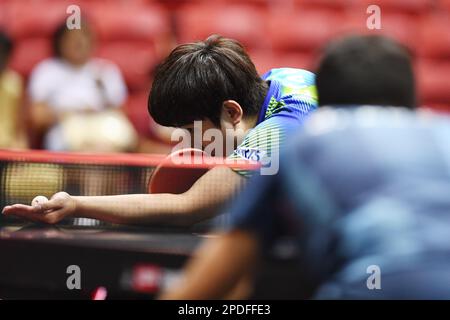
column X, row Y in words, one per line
column 249, row 122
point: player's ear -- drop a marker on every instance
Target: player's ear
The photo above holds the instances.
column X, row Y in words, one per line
column 232, row 112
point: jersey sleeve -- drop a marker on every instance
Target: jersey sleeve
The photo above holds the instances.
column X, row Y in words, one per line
column 261, row 145
column 294, row 98
column 264, row 143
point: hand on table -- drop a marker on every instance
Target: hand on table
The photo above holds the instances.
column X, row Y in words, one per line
column 60, row 206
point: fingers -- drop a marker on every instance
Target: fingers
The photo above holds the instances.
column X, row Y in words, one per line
column 51, row 212
column 6, row 209
column 52, row 204
column 57, row 201
column 53, row 216
column 36, row 213
column 23, row 211
column 21, row 208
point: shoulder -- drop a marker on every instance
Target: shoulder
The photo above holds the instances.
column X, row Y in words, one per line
column 48, row 65
column 49, row 69
column 291, row 76
column 329, row 119
column 265, row 138
column 376, row 127
column 296, row 89
column 13, row 77
column 12, row 81
column 103, row 64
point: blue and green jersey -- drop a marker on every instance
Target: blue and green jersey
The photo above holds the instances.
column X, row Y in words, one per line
column 290, row 98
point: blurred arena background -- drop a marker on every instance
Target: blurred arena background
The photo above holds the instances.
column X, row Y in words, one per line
column 137, row 34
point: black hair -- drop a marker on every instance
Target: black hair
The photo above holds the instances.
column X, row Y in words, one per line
column 59, row 34
column 196, row 78
column 6, row 47
column 366, row 70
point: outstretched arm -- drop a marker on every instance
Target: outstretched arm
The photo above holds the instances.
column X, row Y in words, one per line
column 201, row 201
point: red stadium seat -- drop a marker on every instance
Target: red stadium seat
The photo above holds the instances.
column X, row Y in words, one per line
column 438, row 107
column 302, row 30
column 137, row 31
column 326, row 4
column 34, row 19
column 244, row 23
column 23, row 61
column 433, row 82
column 136, row 110
column 3, row 17
column 401, row 27
column 415, row 7
column 177, row 4
column 444, row 4
column 124, row 2
column 261, row 3
column 117, row 22
column 434, row 37
column 135, row 37
column 135, row 59
column 264, row 60
column 141, row 23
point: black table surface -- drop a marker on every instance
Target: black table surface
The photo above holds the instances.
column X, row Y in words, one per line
column 34, row 258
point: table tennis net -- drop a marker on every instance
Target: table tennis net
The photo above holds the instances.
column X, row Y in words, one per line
column 26, row 174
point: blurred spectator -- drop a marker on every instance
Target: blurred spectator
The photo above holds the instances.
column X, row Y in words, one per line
column 153, row 138
column 12, row 133
column 158, row 140
column 75, row 99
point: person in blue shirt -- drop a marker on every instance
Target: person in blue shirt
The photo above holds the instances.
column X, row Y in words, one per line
column 363, row 191
column 203, row 87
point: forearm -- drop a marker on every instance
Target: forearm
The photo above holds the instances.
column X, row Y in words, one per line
column 220, row 269
column 42, row 117
column 202, row 201
column 136, row 209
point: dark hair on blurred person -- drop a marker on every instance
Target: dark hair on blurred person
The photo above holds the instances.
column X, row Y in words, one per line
column 366, row 70
column 6, row 47
column 59, row 34
column 196, row 78
column 57, row 37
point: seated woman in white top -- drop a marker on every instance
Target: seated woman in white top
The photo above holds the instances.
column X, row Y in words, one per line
column 71, row 91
